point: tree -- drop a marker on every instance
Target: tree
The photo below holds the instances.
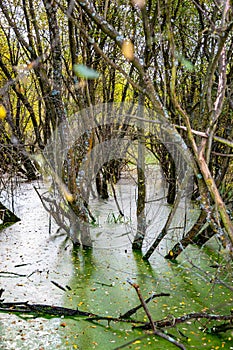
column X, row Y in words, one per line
column 208, row 104
column 173, row 55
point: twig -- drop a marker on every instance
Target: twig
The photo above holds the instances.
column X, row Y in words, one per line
column 182, row 319
column 170, row 339
column 217, row 280
column 222, row 154
column 114, row 319
column 137, row 288
column 58, row 285
column 21, row 265
column 104, row 284
column 152, row 324
column 203, row 134
column 222, row 328
column 12, row 274
column 35, row 271
column 135, row 309
column 116, row 200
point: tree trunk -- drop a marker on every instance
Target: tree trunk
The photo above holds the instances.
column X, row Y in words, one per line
column 188, row 239
column 141, row 183
column 171, row 194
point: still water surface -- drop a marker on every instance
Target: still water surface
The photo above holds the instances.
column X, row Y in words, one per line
column 31, row 258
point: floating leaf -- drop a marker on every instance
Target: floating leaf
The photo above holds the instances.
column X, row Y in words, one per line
column 83, row 71
column 128, row 49
column 2, row 112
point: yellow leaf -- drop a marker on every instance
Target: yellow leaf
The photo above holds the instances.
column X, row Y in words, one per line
column 2, row 112
column 68, row 196
column 128, row 49
column 139, row 3
column 137, row 342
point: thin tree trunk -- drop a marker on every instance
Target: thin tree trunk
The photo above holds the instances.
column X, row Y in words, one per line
column 188, row 239
column 171, row 215
column 141, row 182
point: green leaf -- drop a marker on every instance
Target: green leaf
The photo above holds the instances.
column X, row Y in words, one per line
column 83, row 71
column 186, row 63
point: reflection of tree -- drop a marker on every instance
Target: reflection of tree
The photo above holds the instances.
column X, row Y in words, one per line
column 145, row 272
column 99, row 286
column 84, row 268
column 150, row 281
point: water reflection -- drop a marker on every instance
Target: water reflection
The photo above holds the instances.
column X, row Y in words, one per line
column 97, row 281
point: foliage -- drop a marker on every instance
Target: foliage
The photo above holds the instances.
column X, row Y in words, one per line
column 175, row 55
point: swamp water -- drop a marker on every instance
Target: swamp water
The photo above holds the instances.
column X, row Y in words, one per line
column 31, row 259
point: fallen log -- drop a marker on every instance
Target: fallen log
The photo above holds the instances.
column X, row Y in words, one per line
column 41, row 309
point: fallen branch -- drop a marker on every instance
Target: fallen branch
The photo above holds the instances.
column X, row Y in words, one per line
column 11, row 274
column 41, row 309
column 135, row 309
column 173, row 321
column 59, row 286
column 152, row 323
column 222, row 328
column 24, row 264
column 137, row 288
